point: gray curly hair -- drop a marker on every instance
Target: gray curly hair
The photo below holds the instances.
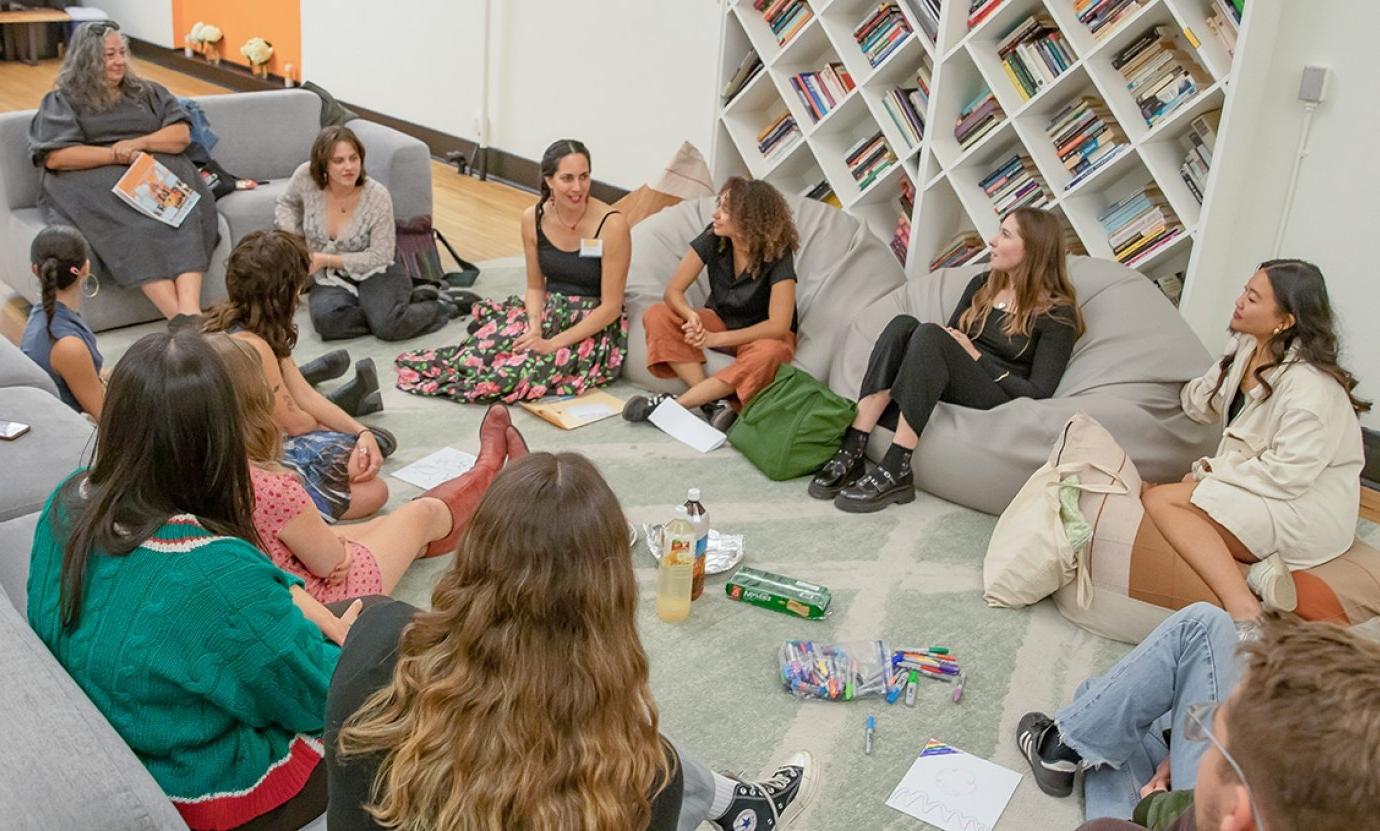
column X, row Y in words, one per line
column 82, row 77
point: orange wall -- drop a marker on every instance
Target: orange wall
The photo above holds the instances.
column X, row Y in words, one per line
column 276, row 21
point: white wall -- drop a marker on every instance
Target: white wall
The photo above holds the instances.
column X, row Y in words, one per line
column 143, row 19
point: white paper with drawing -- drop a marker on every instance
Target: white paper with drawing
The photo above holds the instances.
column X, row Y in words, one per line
column 953, row 790
column 430, row 471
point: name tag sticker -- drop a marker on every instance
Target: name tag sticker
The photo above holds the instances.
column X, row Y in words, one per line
column 591, row 248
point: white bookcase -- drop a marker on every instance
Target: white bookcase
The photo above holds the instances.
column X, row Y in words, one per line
column 948, row 198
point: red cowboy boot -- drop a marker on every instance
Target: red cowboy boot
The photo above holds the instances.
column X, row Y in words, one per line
column 464, row 493
column 517, row 445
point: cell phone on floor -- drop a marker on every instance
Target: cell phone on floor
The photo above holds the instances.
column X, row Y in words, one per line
column 11, row 430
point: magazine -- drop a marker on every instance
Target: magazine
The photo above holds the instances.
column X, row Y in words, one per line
column 153, row 190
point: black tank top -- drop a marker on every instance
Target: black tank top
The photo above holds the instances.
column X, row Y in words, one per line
column 566, row 272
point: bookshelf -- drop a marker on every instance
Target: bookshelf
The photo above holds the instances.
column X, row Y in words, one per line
column 1147, row 78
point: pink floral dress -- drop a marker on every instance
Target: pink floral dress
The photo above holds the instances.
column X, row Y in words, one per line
column 278, row 499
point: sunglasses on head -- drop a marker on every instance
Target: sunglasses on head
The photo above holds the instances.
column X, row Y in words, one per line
column 99, row 29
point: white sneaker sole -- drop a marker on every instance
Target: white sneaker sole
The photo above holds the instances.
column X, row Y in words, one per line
column 1276, row 588
column 809, row 786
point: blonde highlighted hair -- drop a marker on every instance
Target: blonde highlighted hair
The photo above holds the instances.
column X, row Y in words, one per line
column 521, row 700
column 262, row 438
column 1040, row 283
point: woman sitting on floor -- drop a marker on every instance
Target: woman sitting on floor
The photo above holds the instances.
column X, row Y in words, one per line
column 146, row 586
column 461, row 717
column 85, row 134
column 1010, row 337
column 1283, row 491
column 347, row 220
column 360, row 559
column 337, row 457
column 568, row 334
column 749, row 251
column 56, row 338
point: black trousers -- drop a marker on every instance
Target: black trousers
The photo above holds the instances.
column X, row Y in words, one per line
column 922, row 365
column 382, row 308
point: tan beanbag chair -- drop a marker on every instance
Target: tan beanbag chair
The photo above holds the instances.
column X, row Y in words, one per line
column 686, row 177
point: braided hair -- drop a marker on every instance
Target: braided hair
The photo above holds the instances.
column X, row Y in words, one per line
column 550, row 160
column 58, row 254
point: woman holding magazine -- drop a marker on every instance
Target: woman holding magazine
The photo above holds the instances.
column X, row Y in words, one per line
column 86, row 133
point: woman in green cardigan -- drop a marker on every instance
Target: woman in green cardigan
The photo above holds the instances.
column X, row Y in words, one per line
column 147, row 587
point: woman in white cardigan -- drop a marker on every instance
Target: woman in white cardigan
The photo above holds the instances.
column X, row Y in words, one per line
column 1283, row 490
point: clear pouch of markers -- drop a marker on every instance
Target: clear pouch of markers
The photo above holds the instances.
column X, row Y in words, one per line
column 835, row 671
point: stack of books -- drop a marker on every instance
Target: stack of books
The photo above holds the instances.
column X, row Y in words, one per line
column 977, row 118
column 1085, row 137
column 906, row 106
column 900, row 241
column 1101, row 16
column 1160, row 75
column 749, row 68
column 882, row 32
column 979, row 10
column 823, row 192
column 1033, row 54
column 1016, row 183
column 1072, row 244
column 1199, row 141
column 927, row 12
column 781, row 132
column 822, row 91
column 1140, row 225
column 963, row 248
column 1171, row 284
column 1224, row 22
column 868, row 159
column 785, row 17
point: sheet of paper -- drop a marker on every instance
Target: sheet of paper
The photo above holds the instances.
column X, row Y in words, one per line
column 430, row 471
column 953, row 790
column 678, row 423
column 583, row 413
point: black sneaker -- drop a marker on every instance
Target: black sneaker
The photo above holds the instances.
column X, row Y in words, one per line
column 1054, row 776
column 721, row 416
column 639, row 407
column 773, row 802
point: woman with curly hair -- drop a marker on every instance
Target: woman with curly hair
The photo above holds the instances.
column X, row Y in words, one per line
column 1011, row 336
column 749, row 251
column 85, row 134
column 521, row 700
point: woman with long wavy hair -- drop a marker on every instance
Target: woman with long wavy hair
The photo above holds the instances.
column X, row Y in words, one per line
column 748, row 251
column 1011, row 336
column 1283, row 491
column 521, row 700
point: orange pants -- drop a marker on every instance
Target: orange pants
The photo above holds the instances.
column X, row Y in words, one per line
column 756, row 361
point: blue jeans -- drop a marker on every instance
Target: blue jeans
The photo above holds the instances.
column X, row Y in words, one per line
column 1116, row 722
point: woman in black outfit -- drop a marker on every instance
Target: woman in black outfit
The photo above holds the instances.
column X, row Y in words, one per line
column 1010, row 337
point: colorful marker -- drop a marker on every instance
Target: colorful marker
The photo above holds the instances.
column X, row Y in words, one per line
column 958, row 690
column 912, row 687
column 867, row 734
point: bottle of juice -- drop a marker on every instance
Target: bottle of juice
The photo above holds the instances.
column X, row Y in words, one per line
column 677, row 569
column 699, row 520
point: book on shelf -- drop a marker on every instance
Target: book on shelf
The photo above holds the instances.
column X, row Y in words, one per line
column 1085, row 137
column 1102, row 16
column 1033, row 53
column 1171, row 284
column 1160, row 76
column 965, row 247
column 1198, row 141
column 750, row 67
column 785, row 17
column 822, row 192
column 977, row 118
column 1015, row 183
column 881, row 32
column 900, row 240
column 155, row 191
column 823, row 91
column 781, row 132
column 868, row 159
column 927, row 14
column 1140, row 226
column 906, row 108
column 980, row 10
column 1224, row 22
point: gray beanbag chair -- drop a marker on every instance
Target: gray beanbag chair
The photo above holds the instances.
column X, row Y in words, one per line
column 841, row 267
column 1125, row 372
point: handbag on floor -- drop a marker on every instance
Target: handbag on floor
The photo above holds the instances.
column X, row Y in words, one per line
column 792, row 426
column 418, row 256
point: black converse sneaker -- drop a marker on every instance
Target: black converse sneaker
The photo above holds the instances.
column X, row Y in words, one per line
column 1053, row 763
column 721, row 415
column 639, row 407
column 772, row 803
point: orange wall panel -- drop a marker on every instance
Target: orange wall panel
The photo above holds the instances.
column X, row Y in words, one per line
column 276, row 21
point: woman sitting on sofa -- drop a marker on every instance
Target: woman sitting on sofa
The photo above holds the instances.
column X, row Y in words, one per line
column 337, row 457
column 55, row 337
column 1282, row 492
column 568, row 334
column 146, row 586
column 86, row 133
column 447, row 719
column 347, row 220
column 1011, row 336
column 749, row 251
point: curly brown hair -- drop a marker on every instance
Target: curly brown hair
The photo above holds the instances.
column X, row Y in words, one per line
column 264, row 278
column 763, row 218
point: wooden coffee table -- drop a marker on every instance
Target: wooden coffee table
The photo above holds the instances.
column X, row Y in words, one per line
column 33, row 18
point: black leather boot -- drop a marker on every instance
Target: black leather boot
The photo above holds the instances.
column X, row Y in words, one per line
column 843, row 469
column 892, row 481
column 361, row 396
column 331, row 365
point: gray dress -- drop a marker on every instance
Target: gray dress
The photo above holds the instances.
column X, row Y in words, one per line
column 130, row 248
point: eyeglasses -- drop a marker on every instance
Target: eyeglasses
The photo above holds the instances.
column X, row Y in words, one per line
column 1196, row 729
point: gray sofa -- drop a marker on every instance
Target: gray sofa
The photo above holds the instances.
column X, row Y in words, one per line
column 263, row 135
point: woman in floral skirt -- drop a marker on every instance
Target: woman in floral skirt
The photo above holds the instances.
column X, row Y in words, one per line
column 568, row 334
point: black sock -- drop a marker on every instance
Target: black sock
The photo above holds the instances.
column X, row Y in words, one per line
column 853, row 438
column 1053, row 749
column 897, row 459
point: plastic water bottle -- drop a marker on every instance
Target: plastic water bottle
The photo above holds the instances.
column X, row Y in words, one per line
column 699, row 520
column 676, row 572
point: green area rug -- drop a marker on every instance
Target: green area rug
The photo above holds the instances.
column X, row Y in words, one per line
column 910, row 575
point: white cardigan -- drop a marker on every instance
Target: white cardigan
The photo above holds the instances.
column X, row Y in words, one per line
column 1286, row 477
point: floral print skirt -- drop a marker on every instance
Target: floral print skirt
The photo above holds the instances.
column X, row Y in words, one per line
column 485, row 367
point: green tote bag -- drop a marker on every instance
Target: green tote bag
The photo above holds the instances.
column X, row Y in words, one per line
column 791, row 427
